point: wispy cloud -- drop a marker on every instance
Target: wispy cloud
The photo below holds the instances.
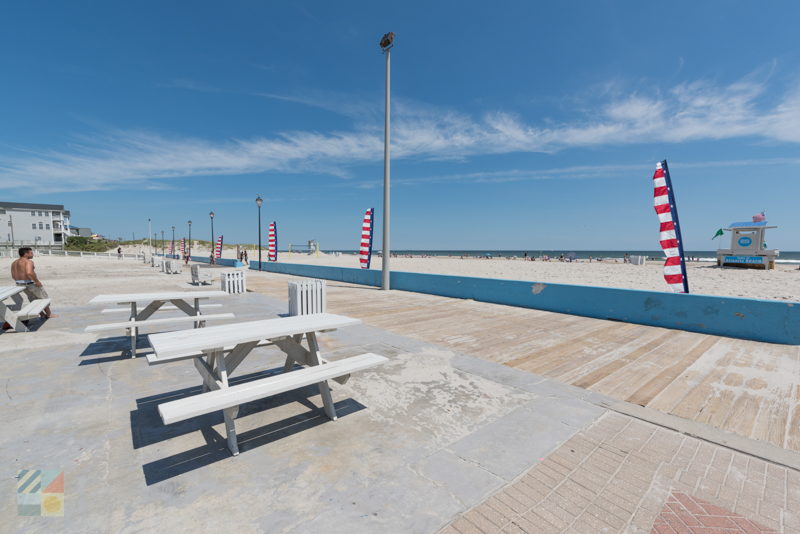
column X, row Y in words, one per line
column 687, row 112
column 575, row 172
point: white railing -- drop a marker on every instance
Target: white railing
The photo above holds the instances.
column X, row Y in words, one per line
column 12, row 253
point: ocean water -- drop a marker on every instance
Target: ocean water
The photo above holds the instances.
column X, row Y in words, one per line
column 698, row 255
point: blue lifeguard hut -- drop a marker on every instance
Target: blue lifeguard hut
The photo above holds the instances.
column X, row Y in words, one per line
column 748, row 247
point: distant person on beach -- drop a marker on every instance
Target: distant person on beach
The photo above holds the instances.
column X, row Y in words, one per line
column 24, row 274
column 119, row 253
column 246, row 260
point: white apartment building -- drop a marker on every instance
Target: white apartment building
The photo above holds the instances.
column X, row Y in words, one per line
column 35, row 225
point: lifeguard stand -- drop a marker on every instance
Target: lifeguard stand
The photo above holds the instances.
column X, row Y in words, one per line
column 748, row 247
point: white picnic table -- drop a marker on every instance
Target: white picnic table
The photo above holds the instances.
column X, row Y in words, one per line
column 14, row 312
column 218, row 350
column 143, row 305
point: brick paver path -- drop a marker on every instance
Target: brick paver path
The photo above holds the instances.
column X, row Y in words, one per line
column 684, row 514
column 617, row 476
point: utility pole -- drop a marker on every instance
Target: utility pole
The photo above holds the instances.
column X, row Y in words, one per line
column 149, row 233
column 386, row 44
column 259, row 202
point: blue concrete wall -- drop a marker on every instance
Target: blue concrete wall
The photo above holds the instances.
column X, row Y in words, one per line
column 759, row 320
column 227, row 262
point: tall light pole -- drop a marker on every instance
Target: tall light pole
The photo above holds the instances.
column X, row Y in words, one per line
column 190, row 239
column 386, row 44
column 172, row 248
column 149, row 233
column 213, row 244
column 163, row 244
column 259, row 202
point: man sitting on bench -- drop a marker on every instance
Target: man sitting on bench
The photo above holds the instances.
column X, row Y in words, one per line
column 24, row 274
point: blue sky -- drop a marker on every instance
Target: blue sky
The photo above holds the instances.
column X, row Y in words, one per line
column 516, row 125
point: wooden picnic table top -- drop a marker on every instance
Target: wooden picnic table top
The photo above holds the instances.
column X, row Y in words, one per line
column 211, row 337
column 165, row 295
column 8, row 291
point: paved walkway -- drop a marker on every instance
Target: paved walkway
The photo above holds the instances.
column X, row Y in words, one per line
column 626, row 475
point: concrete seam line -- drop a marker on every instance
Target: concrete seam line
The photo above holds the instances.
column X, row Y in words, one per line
column 723, row 438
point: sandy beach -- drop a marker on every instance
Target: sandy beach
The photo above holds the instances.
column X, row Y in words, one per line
column 782, row 283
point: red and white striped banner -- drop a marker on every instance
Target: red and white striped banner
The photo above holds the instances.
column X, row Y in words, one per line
column 670, row 232
column 218, row 251
column 365, row 252
column 272, row 240
column 183, row 246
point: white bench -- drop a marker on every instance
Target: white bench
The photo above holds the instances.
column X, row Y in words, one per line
column 17, row 312
column 162, row 321
column 162, row 308
column 227, row 398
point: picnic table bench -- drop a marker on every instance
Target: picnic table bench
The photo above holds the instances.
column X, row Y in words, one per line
column 15, row 312
column 141, row 306
column 218, row 350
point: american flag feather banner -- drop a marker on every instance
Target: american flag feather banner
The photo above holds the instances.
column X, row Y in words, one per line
column 670, row 232
column 183, row 246
column 365, row 252
column 272, row 239
column 218, row 252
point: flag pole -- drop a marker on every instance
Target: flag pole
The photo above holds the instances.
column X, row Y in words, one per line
column 674, row 209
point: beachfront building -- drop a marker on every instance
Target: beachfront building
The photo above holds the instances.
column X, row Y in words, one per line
column 35, row 225
column 748, row 247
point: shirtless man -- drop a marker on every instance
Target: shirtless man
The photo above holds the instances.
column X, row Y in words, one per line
column 23, row 273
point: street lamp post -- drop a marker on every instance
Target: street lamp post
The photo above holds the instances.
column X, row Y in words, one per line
column 213, row 244
column 190, row 239
column 163, row 245
column 386, row 44
column 259, row 202
column 172, row 247
column 149, row 233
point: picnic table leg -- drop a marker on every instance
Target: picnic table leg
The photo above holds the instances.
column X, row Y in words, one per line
column 289, row 363
column 10, row 317
column 229, row 414
column 133, row 330
column 324, row 388
column 198, row 324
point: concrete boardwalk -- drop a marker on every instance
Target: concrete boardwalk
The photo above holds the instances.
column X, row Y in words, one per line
column 442, row 438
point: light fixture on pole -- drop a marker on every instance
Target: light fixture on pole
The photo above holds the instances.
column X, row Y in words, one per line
column 386, row 44
column 172, row 247
column 259, row 202
column 213, row 260
column 190, row 239
column 163, row 245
